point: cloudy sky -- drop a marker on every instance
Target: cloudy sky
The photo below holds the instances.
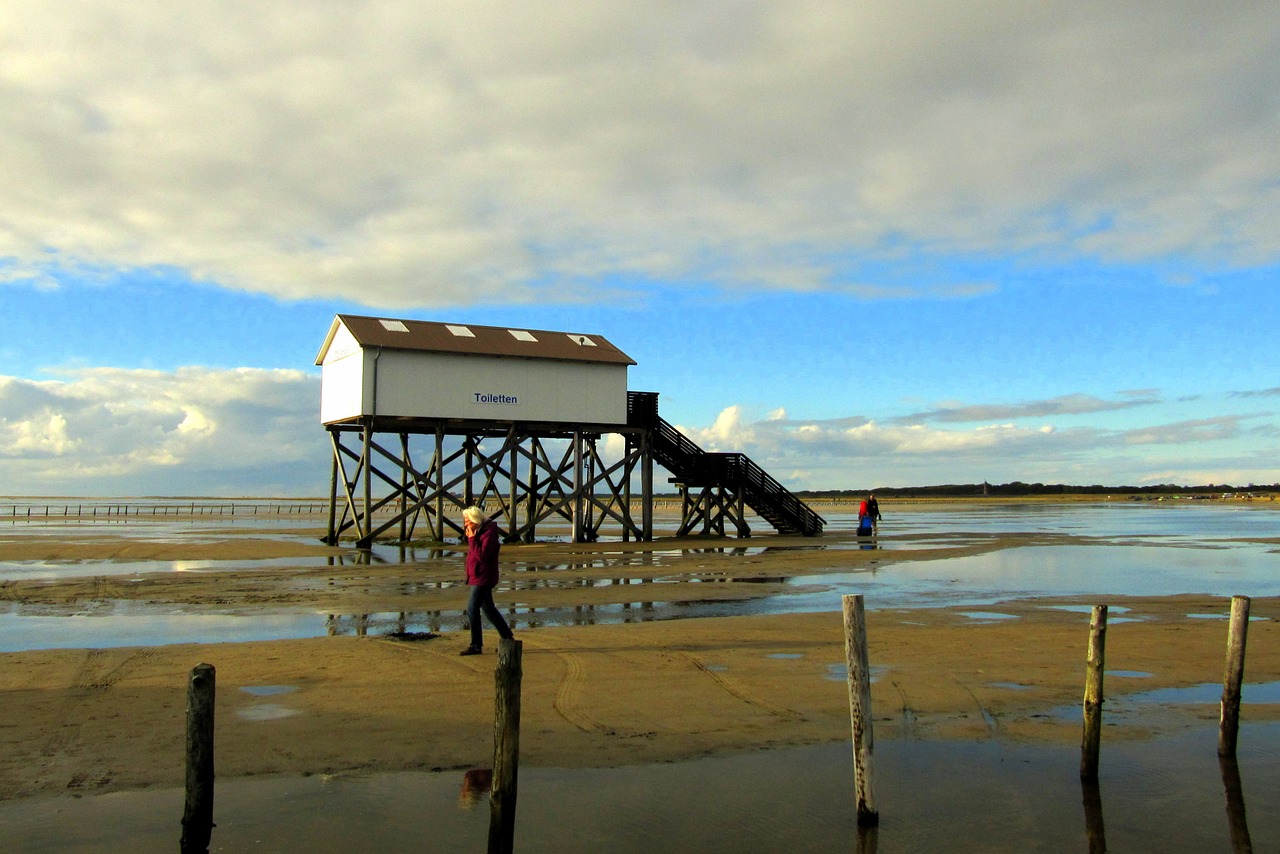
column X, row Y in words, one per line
column 867, row 243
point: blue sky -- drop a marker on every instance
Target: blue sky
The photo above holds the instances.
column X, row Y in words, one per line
column 890, row 245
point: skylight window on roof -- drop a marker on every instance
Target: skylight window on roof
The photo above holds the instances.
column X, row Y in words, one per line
column 394, row 326
column 460, row 331
column 521, row 335
column 582, row 340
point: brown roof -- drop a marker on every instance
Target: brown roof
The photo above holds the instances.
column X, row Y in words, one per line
column 429, row 336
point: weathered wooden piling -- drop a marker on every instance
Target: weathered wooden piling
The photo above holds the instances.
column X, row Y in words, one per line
column 1095, row 667
column 506, row 747
column 197, row 816
column 859, row 680
column 1233, row 677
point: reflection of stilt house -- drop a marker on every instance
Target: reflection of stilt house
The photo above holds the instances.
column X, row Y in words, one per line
column 426, row 418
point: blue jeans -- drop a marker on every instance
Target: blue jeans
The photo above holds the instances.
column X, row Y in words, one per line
column 481, row 599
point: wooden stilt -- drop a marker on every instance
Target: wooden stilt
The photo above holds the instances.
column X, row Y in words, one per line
column 197, row 816
column 1233, row 677
column 506, row 747
column 859, row 681
column 1096, row 666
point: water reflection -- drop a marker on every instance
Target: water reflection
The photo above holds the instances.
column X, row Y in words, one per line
column 415, row 624
column 1095, row 828
column 1237, row 824
column 1130, row 550
column 1183, row 521
column 1066, row 570
column 476, row 784
column 1125, row 707
column 935, row 796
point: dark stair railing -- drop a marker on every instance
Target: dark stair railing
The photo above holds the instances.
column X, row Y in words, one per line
column 693, row 466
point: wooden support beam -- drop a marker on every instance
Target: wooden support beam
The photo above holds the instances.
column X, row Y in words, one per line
column 524, row 480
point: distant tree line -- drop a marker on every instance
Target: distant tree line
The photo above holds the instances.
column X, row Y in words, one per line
column 1018, row 488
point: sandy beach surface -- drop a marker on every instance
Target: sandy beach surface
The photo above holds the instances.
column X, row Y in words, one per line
column 94, row 720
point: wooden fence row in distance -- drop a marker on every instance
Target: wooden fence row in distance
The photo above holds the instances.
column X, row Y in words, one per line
column 43, row 512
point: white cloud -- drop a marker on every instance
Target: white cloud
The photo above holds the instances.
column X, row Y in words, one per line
column 1198, row 430
column 45, row 433
column 115, row 431
column 1067, row 404
column 848, row 452
column 726, row 433
column 109, row 431
column 196, row 422
column 426, row 154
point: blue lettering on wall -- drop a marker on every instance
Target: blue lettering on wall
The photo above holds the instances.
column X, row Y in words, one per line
column 490, row 397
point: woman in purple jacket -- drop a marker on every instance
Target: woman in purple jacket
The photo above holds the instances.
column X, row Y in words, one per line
column 482, row 575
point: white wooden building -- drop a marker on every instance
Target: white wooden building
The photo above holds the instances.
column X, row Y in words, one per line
column 427, row 418
column 385, row 369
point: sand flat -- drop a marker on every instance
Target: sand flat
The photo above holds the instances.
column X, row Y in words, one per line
column 96, row 720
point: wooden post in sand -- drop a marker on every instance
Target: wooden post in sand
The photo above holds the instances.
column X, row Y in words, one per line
column 197, row 817
column 1095, row 667
column 1229, row 720
column 859, row 678
column 506, row 747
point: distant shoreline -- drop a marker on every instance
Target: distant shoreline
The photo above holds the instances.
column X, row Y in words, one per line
column 844, row 497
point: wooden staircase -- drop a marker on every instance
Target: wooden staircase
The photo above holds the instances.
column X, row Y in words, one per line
column 731, row 474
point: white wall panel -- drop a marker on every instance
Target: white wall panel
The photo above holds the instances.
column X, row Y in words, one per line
column 342, row 388
column 493, row 388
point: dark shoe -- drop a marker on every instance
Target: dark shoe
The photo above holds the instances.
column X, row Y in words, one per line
column 472, row 650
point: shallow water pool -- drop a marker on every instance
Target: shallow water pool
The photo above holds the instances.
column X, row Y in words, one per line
column 1163, row 795
column 1117, row 548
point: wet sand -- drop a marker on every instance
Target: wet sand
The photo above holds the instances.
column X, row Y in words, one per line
column 80, row 721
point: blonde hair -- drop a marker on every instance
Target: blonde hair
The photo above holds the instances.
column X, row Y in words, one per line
column 475, row 515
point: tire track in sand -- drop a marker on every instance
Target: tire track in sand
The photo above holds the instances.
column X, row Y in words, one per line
column 102, row 680
column 988, row 717
column 566, row 702
column 97, row 672
column 739, row 691
column 908, row 713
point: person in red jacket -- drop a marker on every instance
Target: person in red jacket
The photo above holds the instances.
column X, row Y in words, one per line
column 868, row 516
column 483, row 543
column 873, row 510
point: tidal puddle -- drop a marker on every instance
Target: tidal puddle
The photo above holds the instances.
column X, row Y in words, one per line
column 1184, row 522
column 971, row 581
column 1130, row 708
column 126, row 623
column 1134, row 549
column 1088, row 609
column 1163, row 795
column 1244, row 569
column 1208, row 692
column 265, row 712
column 268, row 690
column 44, row 570
column 838, row 671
